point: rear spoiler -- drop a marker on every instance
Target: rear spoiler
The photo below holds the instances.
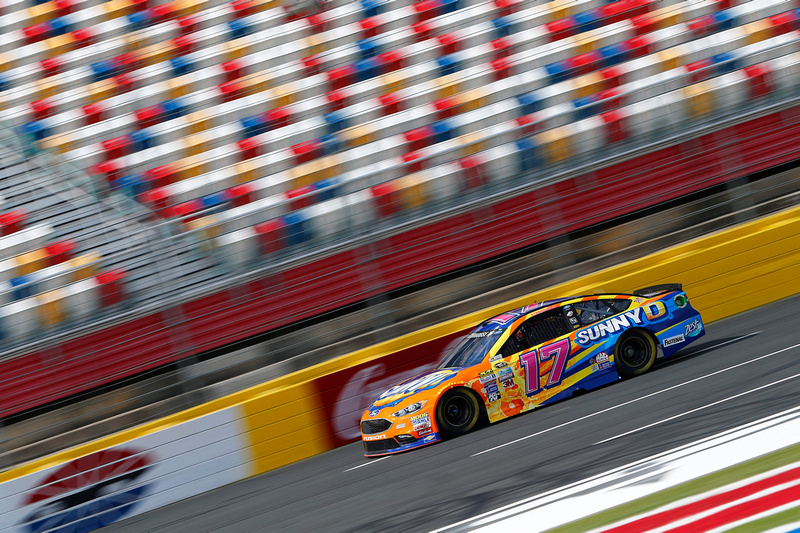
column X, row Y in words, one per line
column 649, row 292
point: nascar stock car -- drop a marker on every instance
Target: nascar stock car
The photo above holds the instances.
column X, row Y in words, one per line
column 529, row 357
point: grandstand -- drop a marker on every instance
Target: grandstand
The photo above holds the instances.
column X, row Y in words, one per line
column 187, row 174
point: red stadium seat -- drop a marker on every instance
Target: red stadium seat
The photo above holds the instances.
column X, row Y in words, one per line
column 12, row 221
column 385, row 198
column 60, row 251
column 111, row 286
column 271, row 236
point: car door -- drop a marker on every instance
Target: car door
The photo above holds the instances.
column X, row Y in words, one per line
column 528, row 365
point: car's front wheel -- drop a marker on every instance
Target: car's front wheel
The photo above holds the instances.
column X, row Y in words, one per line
column 457, row 412
column 635, row 353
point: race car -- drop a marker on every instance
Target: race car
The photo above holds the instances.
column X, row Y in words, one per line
column 529, row 357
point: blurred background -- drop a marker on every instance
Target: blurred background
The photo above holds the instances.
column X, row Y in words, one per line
column 198, row 196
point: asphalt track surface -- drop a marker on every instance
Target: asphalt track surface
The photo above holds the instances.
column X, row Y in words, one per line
column 699, row 392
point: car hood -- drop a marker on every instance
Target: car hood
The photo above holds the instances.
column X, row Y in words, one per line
column 422, row 382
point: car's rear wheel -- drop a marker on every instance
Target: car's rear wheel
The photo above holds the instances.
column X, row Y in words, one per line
column 457, row 412
column 635, row 353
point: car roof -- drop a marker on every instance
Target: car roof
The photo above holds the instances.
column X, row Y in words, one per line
column 502, row 320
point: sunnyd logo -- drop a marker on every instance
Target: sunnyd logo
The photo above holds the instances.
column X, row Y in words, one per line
column 610, row 326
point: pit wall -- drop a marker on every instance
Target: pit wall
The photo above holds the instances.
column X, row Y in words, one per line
column 318, row 408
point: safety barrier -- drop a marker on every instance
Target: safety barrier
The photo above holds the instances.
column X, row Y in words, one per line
column 318, row 408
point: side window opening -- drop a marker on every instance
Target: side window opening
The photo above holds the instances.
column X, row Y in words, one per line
column 592, row 311
column 536, row 330
column 547, row 326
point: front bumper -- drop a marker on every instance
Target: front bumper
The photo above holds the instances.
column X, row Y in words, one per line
column 390, row 445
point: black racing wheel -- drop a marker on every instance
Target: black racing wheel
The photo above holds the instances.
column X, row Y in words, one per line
column 457, row 412
column 635, row 353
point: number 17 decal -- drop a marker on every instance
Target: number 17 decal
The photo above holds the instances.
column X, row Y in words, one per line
column 559, row 351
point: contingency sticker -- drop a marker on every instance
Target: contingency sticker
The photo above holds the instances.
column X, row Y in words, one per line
column 421, row 421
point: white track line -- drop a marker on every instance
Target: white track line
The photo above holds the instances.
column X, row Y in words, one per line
column 647, row 395
column 367, row 464
column 712, row 404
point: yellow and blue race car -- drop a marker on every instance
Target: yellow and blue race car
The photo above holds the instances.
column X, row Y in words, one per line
column 529, row 357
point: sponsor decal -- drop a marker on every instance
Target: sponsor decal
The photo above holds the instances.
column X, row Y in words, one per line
column 508, row 384
column 422, row 432
column 421, row 421
column 573, row 320
column 610, row 326
column 374, row 437
column 401, row 426
column 655, row 311
column 505, row 373
column 89, row 492
column 669, row 341
column 492, row 387
column 429, row 438
column 495, row 357
column 375, row 412
column 479, row 334
column 422, row 383
column 692, row 329
column 602, row 360
column 501, row 364
column 505, row 318
column 487, row 376
column 494, row 396
column 570, row 313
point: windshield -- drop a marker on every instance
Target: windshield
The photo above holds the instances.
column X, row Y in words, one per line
column 472, row 349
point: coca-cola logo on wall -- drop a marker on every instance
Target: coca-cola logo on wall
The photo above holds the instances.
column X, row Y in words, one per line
column 349, row 392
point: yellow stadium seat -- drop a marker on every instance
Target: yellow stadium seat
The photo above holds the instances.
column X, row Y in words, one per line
column 51, row 307
column 449, row 85
column 358, row 135
column 559, row 9
column 195, row 166
column 556, row 144
column 238, row 48
column 30, row 262
column 62, row 143
column 60, row 44
column 699, row 99
column 205, row 230
column 41, row 13
column 247, row 171
column 671, row 58
column 413, row 190
column 589, row 84
column 118, row 8
column 471, row 100
column 200, row 121
column 86, row 265
column 472, row 143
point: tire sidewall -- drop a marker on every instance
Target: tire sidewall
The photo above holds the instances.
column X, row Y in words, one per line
column 626, row 371
column 444, row 428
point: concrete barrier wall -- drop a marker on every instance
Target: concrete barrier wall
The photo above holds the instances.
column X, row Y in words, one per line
column 318, row 408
